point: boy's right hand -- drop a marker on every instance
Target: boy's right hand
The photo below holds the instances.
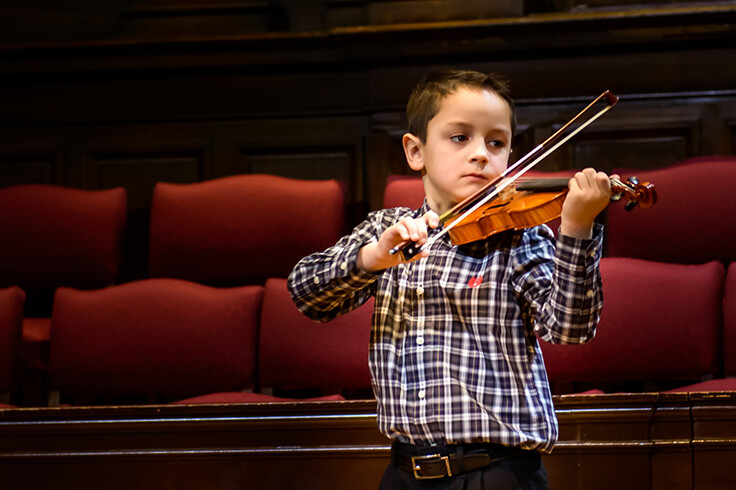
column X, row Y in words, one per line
column 375, row 256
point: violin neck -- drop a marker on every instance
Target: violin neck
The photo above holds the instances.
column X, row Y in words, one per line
column 541, row 185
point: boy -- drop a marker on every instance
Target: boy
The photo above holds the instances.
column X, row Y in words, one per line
column 456, row 368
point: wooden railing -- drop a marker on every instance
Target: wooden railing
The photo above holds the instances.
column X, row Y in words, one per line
column 626, row 441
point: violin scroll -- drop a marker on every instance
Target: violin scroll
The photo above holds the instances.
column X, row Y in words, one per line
column 634, row 193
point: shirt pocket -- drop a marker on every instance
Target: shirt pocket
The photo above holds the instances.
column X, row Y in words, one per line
column 469, row 284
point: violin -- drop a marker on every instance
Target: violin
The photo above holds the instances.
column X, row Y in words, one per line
column 510, row 203
column 533, row 202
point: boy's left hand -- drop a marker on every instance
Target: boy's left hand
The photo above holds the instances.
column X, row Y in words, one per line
column 589, row 194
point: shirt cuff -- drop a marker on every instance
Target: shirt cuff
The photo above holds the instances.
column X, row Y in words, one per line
column 348, row 272
column 580, row 253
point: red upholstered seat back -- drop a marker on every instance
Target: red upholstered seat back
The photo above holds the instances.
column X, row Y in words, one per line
column 241, row 229
column 12, row 300
column 403, row 191
column 157, row 336
column 660, row 321
column 692, row 221
column 297, row 352
column 729, row 322
column 58, row 236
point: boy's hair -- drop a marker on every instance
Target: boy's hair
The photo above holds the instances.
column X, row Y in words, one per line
column 424, row 101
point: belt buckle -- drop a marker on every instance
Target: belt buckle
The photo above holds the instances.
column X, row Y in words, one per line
column 416, row 461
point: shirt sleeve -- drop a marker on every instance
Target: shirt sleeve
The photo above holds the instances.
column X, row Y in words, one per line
column 325, row 285
column 561, row 285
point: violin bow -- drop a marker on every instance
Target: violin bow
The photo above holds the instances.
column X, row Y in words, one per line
column 479, row 198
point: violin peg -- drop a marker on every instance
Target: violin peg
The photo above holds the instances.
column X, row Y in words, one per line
column 630, row 205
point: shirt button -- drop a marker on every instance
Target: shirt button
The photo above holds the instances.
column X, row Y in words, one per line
column 593, row 253
column 343, row 266
column 421, row 394
column 316, row 280
column 420, row 340
column 420, row 291
column 590, row 293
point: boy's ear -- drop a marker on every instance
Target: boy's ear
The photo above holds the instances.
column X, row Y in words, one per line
column 414, row 151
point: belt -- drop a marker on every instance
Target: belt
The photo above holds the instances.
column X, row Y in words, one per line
column 458, row 461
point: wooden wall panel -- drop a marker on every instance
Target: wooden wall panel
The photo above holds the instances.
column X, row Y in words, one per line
column 157, row 18
column 32, row 166
column 139, row 171
column 649, row 148
column 319, row 163
column 588, row 4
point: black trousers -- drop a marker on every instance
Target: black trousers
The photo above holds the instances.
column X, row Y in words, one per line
column 523, row 471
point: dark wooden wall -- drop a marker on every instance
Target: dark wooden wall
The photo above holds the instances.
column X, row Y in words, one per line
column 130, row 93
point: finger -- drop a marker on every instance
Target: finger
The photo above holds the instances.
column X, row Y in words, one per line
column 588, row 178
column 431, row 219
column 603, row 183
column 421, row 228
column 578, row 182
column 574, row 183
column 402, row 230
column 416, row 230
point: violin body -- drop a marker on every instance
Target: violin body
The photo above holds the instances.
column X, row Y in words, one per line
column 523, row 209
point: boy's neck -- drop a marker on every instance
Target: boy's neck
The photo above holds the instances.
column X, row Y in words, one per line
column 439, row 207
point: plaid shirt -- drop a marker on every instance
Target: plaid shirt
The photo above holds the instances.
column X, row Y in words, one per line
column 453, row 353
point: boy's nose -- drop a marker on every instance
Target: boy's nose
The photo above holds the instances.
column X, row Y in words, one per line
column 479, row 154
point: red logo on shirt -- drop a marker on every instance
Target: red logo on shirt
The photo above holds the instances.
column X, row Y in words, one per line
column 474, row 282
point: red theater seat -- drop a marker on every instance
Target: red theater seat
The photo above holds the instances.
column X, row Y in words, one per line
column 729, row 322
column 660, row 322
column 162, row 337
column 58, row 236
column 250, row 397
column 299, row 353
column 52, row 237
column 12, row 300
column 241, row 229
column 729, row 341
column 684, row 226
column 403, row 191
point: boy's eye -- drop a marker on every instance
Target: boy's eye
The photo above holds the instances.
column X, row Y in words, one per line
column 496, row 143
column 460, row 138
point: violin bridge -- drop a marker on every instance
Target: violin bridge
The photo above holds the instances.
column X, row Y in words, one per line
column 507, row 192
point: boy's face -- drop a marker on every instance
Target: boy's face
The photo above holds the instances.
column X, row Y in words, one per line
column 468, row 144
